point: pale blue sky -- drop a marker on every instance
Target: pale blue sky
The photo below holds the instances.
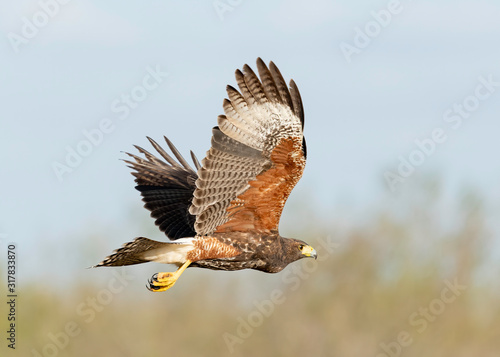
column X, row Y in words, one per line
column 361, row 115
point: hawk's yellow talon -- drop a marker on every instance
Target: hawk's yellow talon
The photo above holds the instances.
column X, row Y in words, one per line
column 164, row 281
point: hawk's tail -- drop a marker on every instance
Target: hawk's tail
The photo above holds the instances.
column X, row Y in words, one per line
column 142, row 250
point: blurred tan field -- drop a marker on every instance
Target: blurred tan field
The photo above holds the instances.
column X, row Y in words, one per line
column 402, row 284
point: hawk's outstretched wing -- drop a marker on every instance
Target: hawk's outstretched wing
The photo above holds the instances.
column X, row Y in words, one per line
column 257, row 156
column 167, row 189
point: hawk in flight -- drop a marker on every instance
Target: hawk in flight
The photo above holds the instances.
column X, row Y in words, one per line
column 224, row 214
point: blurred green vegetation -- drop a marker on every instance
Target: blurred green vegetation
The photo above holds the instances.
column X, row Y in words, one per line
column 384, row 290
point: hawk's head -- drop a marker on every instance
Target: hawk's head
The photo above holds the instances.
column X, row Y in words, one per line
column 297, row 249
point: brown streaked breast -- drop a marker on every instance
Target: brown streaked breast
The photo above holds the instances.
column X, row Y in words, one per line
column 211, row 248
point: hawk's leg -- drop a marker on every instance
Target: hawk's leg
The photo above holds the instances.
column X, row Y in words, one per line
column 164, row 281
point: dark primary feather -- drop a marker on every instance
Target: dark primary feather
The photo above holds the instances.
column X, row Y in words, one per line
column 281, row 85
column 167, row 189
column 268, row 82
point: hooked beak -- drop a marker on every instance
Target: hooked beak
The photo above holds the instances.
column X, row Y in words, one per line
column 309, row 251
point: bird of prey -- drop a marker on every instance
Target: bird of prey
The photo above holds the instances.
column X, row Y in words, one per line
column 225, row 214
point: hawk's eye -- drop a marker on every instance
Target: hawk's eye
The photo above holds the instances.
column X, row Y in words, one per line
column 301, row 246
